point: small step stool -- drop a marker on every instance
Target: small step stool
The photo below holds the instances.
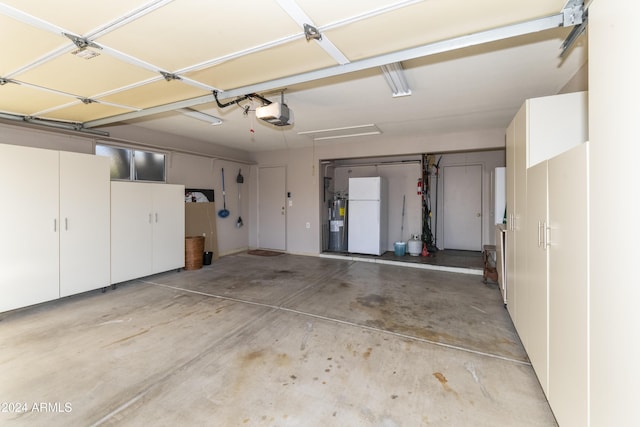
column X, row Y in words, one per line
column 490, row 271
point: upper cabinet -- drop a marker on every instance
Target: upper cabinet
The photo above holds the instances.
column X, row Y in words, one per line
column 555, row 124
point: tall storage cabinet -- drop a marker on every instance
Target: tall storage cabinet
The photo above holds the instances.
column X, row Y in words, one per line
column 147, row 229
column 535, row 289
column 29, row 226
column 568, row 246
column 85, row 227
column 516, row 139
column 547, row 227
column 55, row 231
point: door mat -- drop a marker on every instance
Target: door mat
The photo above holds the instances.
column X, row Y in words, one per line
column 262, row 252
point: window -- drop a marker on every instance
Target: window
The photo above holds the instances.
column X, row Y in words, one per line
column 133, row 165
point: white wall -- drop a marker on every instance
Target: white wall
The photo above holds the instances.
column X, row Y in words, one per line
column 402, row 181
column 39, row 138
column 202, row 172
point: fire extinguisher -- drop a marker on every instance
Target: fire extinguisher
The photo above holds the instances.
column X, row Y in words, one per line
column 419, row 186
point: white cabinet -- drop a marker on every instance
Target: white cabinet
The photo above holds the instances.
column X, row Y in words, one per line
column 568, row 281
column 516, row 140
column 168, row 231
column 29, row 226
column 546, row 246
column 84, row 223
column 534, row 289
column 542, row 128
column 53, row 225
column 147, row 229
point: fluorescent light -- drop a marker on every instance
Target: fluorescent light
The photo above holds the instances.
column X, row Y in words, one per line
column 342, row 132
column 200, row 116
column 394, row 75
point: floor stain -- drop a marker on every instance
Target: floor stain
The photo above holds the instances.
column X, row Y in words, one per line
column 142, row 332
column 367, row 353
column 443, row 380
column 373, row 300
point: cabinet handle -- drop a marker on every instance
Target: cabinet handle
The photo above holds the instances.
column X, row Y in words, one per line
column 55, row 225
column 539, row 233
column 150, row 218
column 545, row 236
column 66, row 224
column 156, row 216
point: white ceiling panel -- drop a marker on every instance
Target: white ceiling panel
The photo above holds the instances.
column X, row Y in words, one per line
column 78, row 16
column 292, row 58
column 23, row 44
column 159, row 92
column 84, row 77
column 25, row 100
column 188, row 32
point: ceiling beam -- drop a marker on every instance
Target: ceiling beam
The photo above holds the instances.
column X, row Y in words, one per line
column 509, row 31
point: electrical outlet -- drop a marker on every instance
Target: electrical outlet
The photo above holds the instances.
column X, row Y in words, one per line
column 308, row 225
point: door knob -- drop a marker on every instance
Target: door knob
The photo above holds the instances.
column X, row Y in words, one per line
column 478, row 214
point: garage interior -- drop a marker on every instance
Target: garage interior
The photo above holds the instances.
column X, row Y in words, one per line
column 106, row 327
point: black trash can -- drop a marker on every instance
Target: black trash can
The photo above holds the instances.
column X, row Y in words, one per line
column 206, row 258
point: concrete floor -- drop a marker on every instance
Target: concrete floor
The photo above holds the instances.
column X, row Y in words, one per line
column 272, row 341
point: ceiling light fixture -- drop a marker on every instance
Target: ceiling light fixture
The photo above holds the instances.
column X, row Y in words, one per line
column 394, row 75
column 85, row 53
column 213, row 120
column 342, row 132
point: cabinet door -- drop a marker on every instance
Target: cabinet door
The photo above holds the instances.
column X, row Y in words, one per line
column 557, row 124
column 84, row 223
column 568, row 268
column 168, row 227
column 131, row 230
column 29, row 226
column 516, row 201
column 534, row 328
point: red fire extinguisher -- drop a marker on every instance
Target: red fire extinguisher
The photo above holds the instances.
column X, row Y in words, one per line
column 419, row 186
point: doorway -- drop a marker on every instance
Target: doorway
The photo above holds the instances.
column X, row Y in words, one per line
column 462, row 200
column 272, row 208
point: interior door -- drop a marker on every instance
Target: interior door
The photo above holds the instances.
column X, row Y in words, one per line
column 462, row 188
column 271, row 207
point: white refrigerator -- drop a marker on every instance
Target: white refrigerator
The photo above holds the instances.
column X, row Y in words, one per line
column 367, row 215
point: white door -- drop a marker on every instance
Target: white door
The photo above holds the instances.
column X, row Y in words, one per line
column 84, row 223
column 272, row 207
column 29, row 226
column 462, row 199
